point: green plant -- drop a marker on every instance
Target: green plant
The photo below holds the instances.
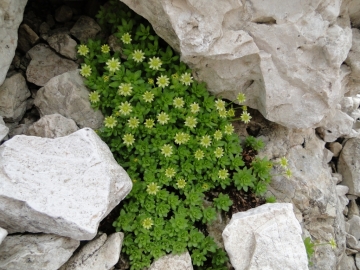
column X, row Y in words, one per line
column 174, row 139
column 310, row 247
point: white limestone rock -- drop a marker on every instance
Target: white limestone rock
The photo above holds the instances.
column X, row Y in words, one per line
column 13, row 98
column 287, row 58
column 173, row 262
column 52, row 126
column 101, row 253
column 64, row 186
column 4, row 130
column 354, row 228
column 3, row 234
column 67, row 95
column 11, row 15
column 265, row 238
column 347, row 263
column 63, row 44
column 46, row 64
column 34, row 252
column 349, row 165
column 354, row 12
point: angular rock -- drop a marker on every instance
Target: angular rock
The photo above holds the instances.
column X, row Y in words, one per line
column 347, row 263
column 354, row 12
column 4, row 130
column 85, row 28
column 335, row 148
column 13, row 98
column 34, row 252
column 63, row 44
column 3, row 234
column 101, row 253
column 63, row 14
column 357, row 260
column 67, row 95
column 287, row 60
column 264, row 238
column 52, row 126
column 354, row 229
column 349, row 165
column 27, row 38
column 10, row 19
column 46, row 64
column 353, row 61
column 173, row 262
column 64, row 186
column 353, row 209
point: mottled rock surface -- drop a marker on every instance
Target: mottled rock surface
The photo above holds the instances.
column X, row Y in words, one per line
column 34, row 252
column 63, row 44
column 67, row 95
column 173, row 262
column 85, row 28
column 64, row 186
column 4, row 130
column 3, row 234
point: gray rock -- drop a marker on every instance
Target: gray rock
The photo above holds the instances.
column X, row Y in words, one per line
column 353, row 209
column 357, row 260
column 64, row 186
column 335, row 148
column 63, row 14
column 349, row 164
column 100, row 254
column 13, row 98
column 85, row 28
column 63, row 44
column 347, row 263
column 52, row 126
column 4, row 130
column 27, row 38
column 11, row 17
column 67, row 95
column 354, row 229
column 173, row 262
column 34, row 252
column 3, row 234
column 44, row 30
column 352, row 242
column 46, row 64
column 270, row 236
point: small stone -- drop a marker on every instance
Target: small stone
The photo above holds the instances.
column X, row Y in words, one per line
column 173, row 262
column 3, row 234
column 4, row 130
column 27, row 38
column 353, row 209
column 335, row 148
column 63, row 14
column 354, row 229
column 347, row 263
column 64, row 45
column 85, row 28
column 44, row 30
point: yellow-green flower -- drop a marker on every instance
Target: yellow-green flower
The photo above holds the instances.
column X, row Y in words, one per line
column 178, row 102
column 186, row 79
column 170, row 172
column 125, row 108
column 283, row 162
column 105, row 48
column 94, row 97
column 229, row 129
column 244, row 107
column 166, row 150
column 148, row 97
column 205, row 141
column 181, row 183
column 162, row 81
column 133, row 122
column 125, row 89
column 241, row 98
column 149, row 123
column 163, row 118
column 194, row 108
column 175, row 76
column 218, row 135
column 190, row 122
column 205, row 186
column 85, row 70
column 332, row 243
column 181, row 138
column 288, row 173
column 106, row 78
column 151, row 81
column 152, row 188
column 222, row 113
column 199, row 154
column 128, row 139
column 126, row 38
column 231, row 112
column 219, row 152
column 245, row 117
column 110, row 122
column 155, row 63
column 220, row 104
column 223, row 174
column 83, row 50
column 147, row 223
column 138, row 56
column 113, row 64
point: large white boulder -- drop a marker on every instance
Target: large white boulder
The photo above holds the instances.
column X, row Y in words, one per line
column 286, row 57
column 11, row 15
column 34, row 252
column 265, row 237
column 64, row 186
column 67, row 95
